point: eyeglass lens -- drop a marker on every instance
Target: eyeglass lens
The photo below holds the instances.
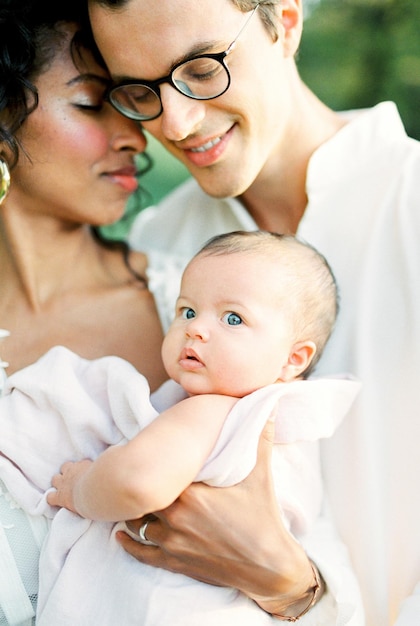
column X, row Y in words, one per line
column 202, row 78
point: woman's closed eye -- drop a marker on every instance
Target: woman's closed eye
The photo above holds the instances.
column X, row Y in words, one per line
column 90, row 106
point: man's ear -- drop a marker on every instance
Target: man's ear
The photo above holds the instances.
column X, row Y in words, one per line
column 291, row 24
column 299, row 359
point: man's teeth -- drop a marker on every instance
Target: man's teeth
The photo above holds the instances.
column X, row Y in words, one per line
column 207, row 145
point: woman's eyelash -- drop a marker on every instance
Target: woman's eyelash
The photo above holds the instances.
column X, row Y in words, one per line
column 89, row 107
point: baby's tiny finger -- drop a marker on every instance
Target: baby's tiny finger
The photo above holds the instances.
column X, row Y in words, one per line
column 52, row 498
column 56, row 479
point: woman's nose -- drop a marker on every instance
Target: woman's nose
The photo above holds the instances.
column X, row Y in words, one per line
column 127, row 134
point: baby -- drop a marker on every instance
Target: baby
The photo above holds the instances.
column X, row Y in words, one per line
column 254, row 313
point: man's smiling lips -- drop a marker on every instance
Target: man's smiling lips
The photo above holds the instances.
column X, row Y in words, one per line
column 208, row 152
column 207, row 145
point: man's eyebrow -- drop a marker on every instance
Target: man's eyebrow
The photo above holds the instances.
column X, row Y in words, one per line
column 200, row 49
column 89, row 78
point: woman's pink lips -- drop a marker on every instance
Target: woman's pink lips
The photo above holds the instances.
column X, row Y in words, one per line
column 129, row 183
column 125, row 177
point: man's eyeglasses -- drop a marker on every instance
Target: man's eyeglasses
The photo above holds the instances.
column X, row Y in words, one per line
column 204, row 77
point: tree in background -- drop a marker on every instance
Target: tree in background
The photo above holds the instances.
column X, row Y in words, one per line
column 356, row 53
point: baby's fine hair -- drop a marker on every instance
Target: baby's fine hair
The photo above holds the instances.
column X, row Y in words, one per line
column 310, row 282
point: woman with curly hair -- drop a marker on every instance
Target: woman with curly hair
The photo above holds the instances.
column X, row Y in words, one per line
column 67, row 166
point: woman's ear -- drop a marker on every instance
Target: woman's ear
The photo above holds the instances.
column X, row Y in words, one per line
column 291, row 24
column 299, row 359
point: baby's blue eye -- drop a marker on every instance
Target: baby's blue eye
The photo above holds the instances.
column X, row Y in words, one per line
column 187, row 313
column 233, row 319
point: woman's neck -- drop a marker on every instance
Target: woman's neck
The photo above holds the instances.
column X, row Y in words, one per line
column 60, row 286
column 42, row 259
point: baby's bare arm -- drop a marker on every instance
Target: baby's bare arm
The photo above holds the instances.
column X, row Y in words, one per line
column 150, row 471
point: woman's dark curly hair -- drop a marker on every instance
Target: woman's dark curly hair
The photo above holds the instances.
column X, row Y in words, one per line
column 29, row 37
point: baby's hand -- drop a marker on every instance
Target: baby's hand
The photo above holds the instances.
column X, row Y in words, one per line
column 65, row 483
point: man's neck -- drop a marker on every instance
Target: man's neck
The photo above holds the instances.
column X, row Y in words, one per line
column 277, row 199
column 274, row 211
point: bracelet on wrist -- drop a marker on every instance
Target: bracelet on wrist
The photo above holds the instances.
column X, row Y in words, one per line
column 316, row 591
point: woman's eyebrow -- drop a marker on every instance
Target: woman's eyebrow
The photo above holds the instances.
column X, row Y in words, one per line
column 89, row 78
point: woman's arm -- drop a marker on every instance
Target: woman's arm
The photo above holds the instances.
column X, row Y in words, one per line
column 150, row 471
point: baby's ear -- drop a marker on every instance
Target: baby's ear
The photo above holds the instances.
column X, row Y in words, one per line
column 299, row 359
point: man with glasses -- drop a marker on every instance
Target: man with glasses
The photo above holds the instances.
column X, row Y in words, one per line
column 216, row 82
column 202, row 77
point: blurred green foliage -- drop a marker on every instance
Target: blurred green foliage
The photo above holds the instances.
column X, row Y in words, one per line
column 356, row 53
column 158, row 181
column 353, row 54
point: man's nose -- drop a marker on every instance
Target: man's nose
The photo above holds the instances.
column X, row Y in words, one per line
column 181, row 115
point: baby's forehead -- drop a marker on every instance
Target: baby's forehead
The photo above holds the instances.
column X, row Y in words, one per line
column 235, row 274
column 277, row 263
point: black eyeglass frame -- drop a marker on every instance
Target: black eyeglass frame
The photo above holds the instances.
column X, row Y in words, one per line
column 153, row 85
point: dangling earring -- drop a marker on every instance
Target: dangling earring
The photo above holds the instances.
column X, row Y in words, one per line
column 4, row 179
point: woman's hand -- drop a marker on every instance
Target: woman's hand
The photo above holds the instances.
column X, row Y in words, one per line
column 65, row 482
column 232, row 537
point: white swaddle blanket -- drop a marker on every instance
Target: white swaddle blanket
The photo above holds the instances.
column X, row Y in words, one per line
column 67, row 408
